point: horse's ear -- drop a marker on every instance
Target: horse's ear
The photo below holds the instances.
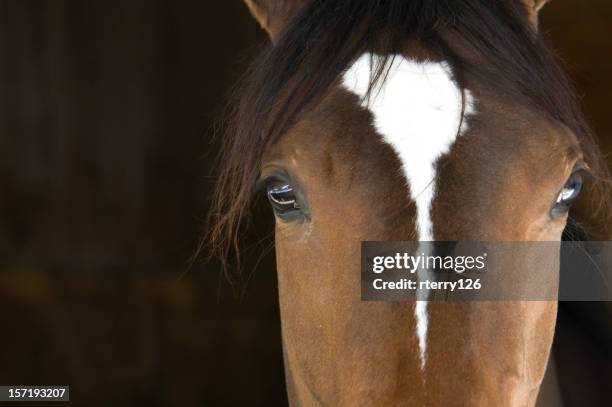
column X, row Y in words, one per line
column 274, row 15
column 533, row 9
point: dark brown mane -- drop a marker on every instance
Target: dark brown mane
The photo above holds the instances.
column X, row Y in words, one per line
column 327, row 35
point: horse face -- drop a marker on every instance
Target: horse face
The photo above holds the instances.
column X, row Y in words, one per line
column 420, row 158
column 337, row 179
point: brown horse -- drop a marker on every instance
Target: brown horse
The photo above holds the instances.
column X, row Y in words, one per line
column 404, row 120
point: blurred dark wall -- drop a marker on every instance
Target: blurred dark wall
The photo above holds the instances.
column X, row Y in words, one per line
column 106, row 113
column 106, row 116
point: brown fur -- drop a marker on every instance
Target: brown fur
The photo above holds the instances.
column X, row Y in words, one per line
column 497, row 183
column 341, row 351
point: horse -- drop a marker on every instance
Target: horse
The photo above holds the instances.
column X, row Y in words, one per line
column 403, row 120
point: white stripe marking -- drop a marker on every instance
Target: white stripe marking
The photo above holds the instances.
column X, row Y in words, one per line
column 418, row 110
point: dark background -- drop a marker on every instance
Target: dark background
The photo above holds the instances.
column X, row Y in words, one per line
column 106, row 166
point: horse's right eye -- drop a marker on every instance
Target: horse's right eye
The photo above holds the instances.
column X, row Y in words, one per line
column 569, row 194
column 282, row 197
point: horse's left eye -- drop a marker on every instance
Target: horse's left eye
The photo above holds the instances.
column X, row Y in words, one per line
column 569, row 193
column 282, row 196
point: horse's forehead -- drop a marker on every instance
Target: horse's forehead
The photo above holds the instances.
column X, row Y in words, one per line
column 421, row 125
column 419, row 111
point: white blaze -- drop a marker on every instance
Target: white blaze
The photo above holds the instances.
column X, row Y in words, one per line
column 418, row 111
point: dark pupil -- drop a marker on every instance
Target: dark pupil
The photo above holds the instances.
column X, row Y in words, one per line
column 281, row 195
column 571, row 189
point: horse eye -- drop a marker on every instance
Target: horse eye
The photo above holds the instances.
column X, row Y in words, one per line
column 569, row 193
column 282, row 196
